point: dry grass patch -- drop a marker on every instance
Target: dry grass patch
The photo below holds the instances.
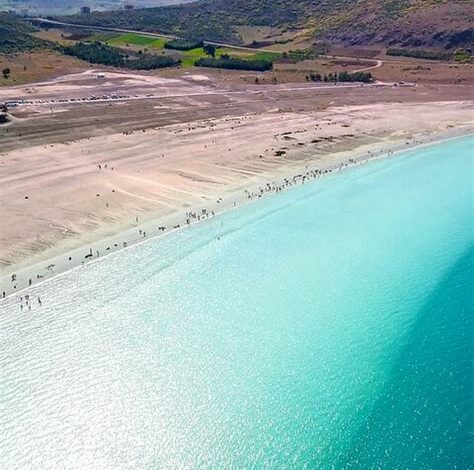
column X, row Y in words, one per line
column 31, row 67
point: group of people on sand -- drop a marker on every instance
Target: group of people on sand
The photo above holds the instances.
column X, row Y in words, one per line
column 28, row 302
column 104, row 166
column 197, row 217
column 285, row 184
column 194, row 216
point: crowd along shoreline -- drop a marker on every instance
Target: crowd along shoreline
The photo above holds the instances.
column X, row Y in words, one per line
column 18, row 279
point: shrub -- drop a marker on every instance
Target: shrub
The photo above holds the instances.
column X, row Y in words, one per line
column 314, row 77
column 463, row 56
column 301, row 54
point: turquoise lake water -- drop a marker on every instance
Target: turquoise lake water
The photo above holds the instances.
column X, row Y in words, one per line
column 330, row 326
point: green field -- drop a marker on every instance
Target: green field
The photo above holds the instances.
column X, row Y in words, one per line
column 137, row 40
column 132, row 39
column 248, row 54
column 187, row 57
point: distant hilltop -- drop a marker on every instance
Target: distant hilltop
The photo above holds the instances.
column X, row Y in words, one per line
column 406, row 23
column 70, row 7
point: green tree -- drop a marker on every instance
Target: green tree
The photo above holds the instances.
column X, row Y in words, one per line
column 210, row 49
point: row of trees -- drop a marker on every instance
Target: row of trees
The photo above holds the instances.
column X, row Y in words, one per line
column 364, row 77
column 99, row 53
column 420, row 54
column 234, row 63
column 151, row 61
column 96, row 53
column 183, row 44
column 459, row 55
column 189, row 44
column 300, row 54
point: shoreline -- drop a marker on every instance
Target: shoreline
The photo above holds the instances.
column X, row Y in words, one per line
column 23, row 275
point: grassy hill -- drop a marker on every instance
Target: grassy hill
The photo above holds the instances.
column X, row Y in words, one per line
column 15, row 37
column 407, row 23
column 69, row 7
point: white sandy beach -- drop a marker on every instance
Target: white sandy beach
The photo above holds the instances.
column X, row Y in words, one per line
column 61, row 207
